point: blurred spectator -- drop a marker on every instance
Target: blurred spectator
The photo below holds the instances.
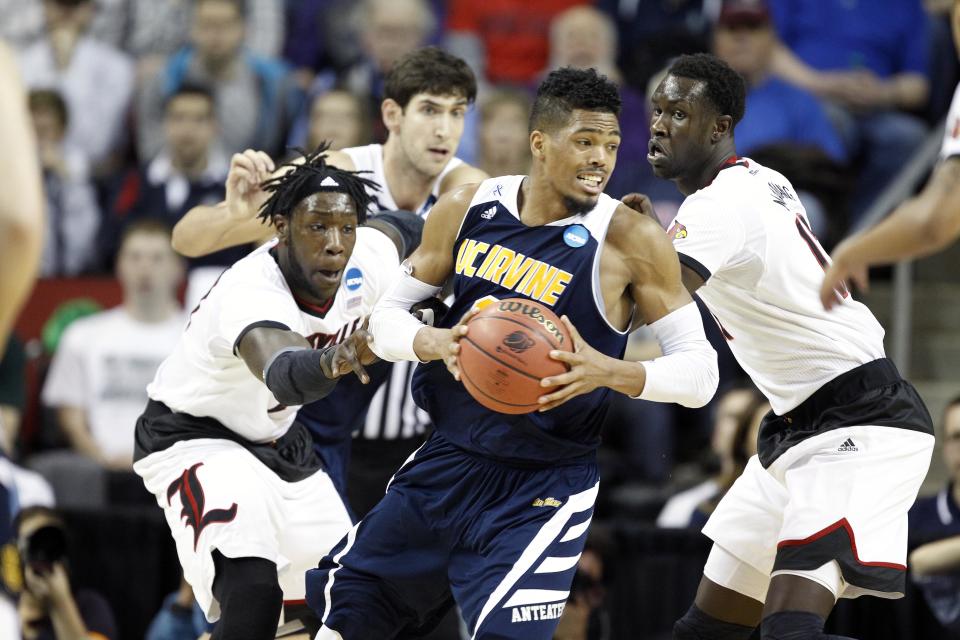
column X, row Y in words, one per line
column 95, row 79
column 97, row 380
column 319, row 36
column 338, row 116
column 504, row 134
column 503, row 41
column 13, row 392
column 189, row 170
column 180, row 617
column 782, row 123
column 731, row 445
column 585, row 37
column 28, row 487
column 73, row 215
column 869, row 61
column 49, row 608
column 653, row 33
column 387, row 30
column 256, row 96
column 935, row 532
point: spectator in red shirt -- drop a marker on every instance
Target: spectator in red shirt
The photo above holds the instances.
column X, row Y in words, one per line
column 504, row 41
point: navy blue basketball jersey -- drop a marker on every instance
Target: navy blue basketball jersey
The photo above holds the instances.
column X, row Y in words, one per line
column 558, row 264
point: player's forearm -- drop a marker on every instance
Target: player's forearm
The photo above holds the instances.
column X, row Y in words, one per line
column 942, row 556
column 918, row 227
column 397, row 335
column 209, row 228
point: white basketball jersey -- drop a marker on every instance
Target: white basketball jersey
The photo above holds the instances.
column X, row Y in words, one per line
column 205, row 376
column 951, row 136
column 370, row 158
column 747, row 235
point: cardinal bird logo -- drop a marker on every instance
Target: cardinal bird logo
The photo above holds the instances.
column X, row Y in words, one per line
column 191, row 498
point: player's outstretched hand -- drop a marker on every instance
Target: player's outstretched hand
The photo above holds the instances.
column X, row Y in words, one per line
column 248, row 171
column 452, row 351
column 587, row 366
column 838, row 274
column 641, row 203
column 352, row 354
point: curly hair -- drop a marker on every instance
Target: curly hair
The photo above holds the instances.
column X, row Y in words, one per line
column 566, row 89
column 429, row 70
column 725, row 87
column 314, row 175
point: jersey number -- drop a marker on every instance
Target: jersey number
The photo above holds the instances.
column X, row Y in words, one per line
column 807, row 234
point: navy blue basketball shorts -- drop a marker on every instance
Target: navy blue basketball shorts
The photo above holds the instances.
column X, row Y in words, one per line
column 501, row 541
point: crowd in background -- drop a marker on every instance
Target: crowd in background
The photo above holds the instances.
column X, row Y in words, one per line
column 138, row 105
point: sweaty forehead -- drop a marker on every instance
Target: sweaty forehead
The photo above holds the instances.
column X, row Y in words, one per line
column 677, row 88
column 327, row 203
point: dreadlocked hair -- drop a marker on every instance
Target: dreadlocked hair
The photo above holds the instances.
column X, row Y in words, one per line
column 314, row 175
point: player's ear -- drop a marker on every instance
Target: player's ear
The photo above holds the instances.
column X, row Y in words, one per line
column 392, row 114
column 722, row 126
column 537, row 142
column 280, row 223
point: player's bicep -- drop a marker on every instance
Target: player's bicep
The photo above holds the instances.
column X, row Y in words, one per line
column 258, row 345
column 944, row 221
column 656, row 284
column 432, row 262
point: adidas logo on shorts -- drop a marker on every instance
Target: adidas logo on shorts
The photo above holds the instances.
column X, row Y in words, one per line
column 848, row 445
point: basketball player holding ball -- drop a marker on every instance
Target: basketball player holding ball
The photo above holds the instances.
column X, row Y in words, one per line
column 492, row 511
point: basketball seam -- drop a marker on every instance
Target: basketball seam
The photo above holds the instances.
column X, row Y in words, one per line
column 535, row 329
column 495, row 399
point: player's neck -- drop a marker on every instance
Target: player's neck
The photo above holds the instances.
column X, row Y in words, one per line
column 707, row 171
column 539, row 203
column 408, row 185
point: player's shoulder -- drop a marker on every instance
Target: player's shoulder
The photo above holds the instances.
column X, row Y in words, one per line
column 460, row 173
column 374, row 250
column 638, row 237
column 256, row 269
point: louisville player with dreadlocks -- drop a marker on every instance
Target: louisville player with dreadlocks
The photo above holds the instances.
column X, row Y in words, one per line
column 247, row 500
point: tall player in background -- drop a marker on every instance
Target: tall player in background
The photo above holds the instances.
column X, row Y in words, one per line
column 427, row 94
column 821, row 513
column 920, row 226
column 247, row 500
column 21, row 235
column 461, row 519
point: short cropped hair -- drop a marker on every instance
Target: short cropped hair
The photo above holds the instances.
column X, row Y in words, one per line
column 145, row 226
column 429, row 70
column 567, row 89
column 192, row 89
column 725, row 87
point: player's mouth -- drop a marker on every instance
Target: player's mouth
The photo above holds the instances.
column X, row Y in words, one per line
column 439, row 153
column 655, row 152
column 329, row 276
column 591, row 181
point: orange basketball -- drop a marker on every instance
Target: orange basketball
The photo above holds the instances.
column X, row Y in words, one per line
column 506, row 352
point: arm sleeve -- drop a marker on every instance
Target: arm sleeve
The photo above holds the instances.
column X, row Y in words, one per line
column 687, row 371
column 392, row 325
column 951, row 135
column 706, row 239
column 67, row 380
